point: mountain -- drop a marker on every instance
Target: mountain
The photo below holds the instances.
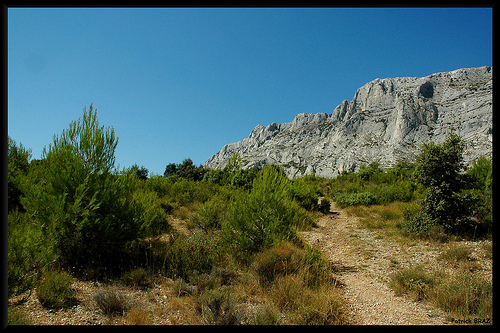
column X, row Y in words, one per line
column 387, row 121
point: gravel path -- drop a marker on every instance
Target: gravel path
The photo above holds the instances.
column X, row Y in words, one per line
column 363, row 261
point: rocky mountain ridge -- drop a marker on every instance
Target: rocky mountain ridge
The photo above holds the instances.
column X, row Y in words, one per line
column 387, row 121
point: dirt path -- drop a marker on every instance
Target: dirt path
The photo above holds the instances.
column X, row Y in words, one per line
column 363, row 261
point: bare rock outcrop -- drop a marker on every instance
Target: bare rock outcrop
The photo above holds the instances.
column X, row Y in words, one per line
column 387, row 121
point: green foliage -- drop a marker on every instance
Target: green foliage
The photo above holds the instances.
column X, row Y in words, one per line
column 447, row 203
column 353, row 199
column 263, row 217
column 89, row 211
column 212, row 213
column 18, row 166
column 395, row 184
column 441, row 163
column 324, row 206
column 186, row 170
column 140, row 172
column 185, row 256
column 55, row 291
column 29, row 253
column 233, row 175
column 305, row 194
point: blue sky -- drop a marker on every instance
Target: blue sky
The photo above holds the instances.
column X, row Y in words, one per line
column 177, row 83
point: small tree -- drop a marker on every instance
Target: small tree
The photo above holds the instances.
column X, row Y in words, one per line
column 265, row 216
column 81, row 202
column 439, row 168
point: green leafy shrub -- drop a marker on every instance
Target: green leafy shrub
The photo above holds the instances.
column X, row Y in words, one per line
column 263, row 217
column 185, row 256
column 212, row 213
column 324, row 206
column 29, row 252
column 55, row 291
column 81, row 202
column 353, row 199
column 305, row 194
column 419, row 225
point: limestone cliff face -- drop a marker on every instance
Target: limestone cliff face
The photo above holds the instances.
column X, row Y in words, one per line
column 387, row 121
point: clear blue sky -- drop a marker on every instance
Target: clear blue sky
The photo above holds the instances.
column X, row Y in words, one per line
column 178, row 83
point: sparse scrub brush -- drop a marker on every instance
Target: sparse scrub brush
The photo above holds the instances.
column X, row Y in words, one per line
column 55, row 291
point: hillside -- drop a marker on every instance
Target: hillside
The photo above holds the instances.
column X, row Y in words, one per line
column 387, row 121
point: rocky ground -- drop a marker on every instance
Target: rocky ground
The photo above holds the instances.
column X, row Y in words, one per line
column 364, row 259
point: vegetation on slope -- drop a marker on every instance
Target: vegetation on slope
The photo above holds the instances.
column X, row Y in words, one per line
column 227, row 237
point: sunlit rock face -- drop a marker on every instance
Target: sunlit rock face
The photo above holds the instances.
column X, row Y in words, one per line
column 387, row 121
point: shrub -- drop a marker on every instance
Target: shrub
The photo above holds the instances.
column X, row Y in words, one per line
column 217, row 307
column 354, row 199
column 29, row 252
column 265, row 216
column 466, row 294
column 413, row 281
column 137, row 278
column 419, row 225
column 55, row 291
column 212, row 213
column 111, row 300
column 187, row 255
column 280, row 260
column 324, row 206
column 305, row 194
column 288, row 259
column 79, row 199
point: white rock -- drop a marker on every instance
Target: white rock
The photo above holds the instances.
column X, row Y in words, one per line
column 387, row 121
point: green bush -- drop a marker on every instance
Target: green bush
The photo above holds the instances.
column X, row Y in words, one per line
column 305, row 194
column 29, row 252
column 265, row 216
column 354, row 199
column 82, row 202
column 55, row 291
column 324, row 206
column 212, row 213
column 186, row 256
column 419, row 225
